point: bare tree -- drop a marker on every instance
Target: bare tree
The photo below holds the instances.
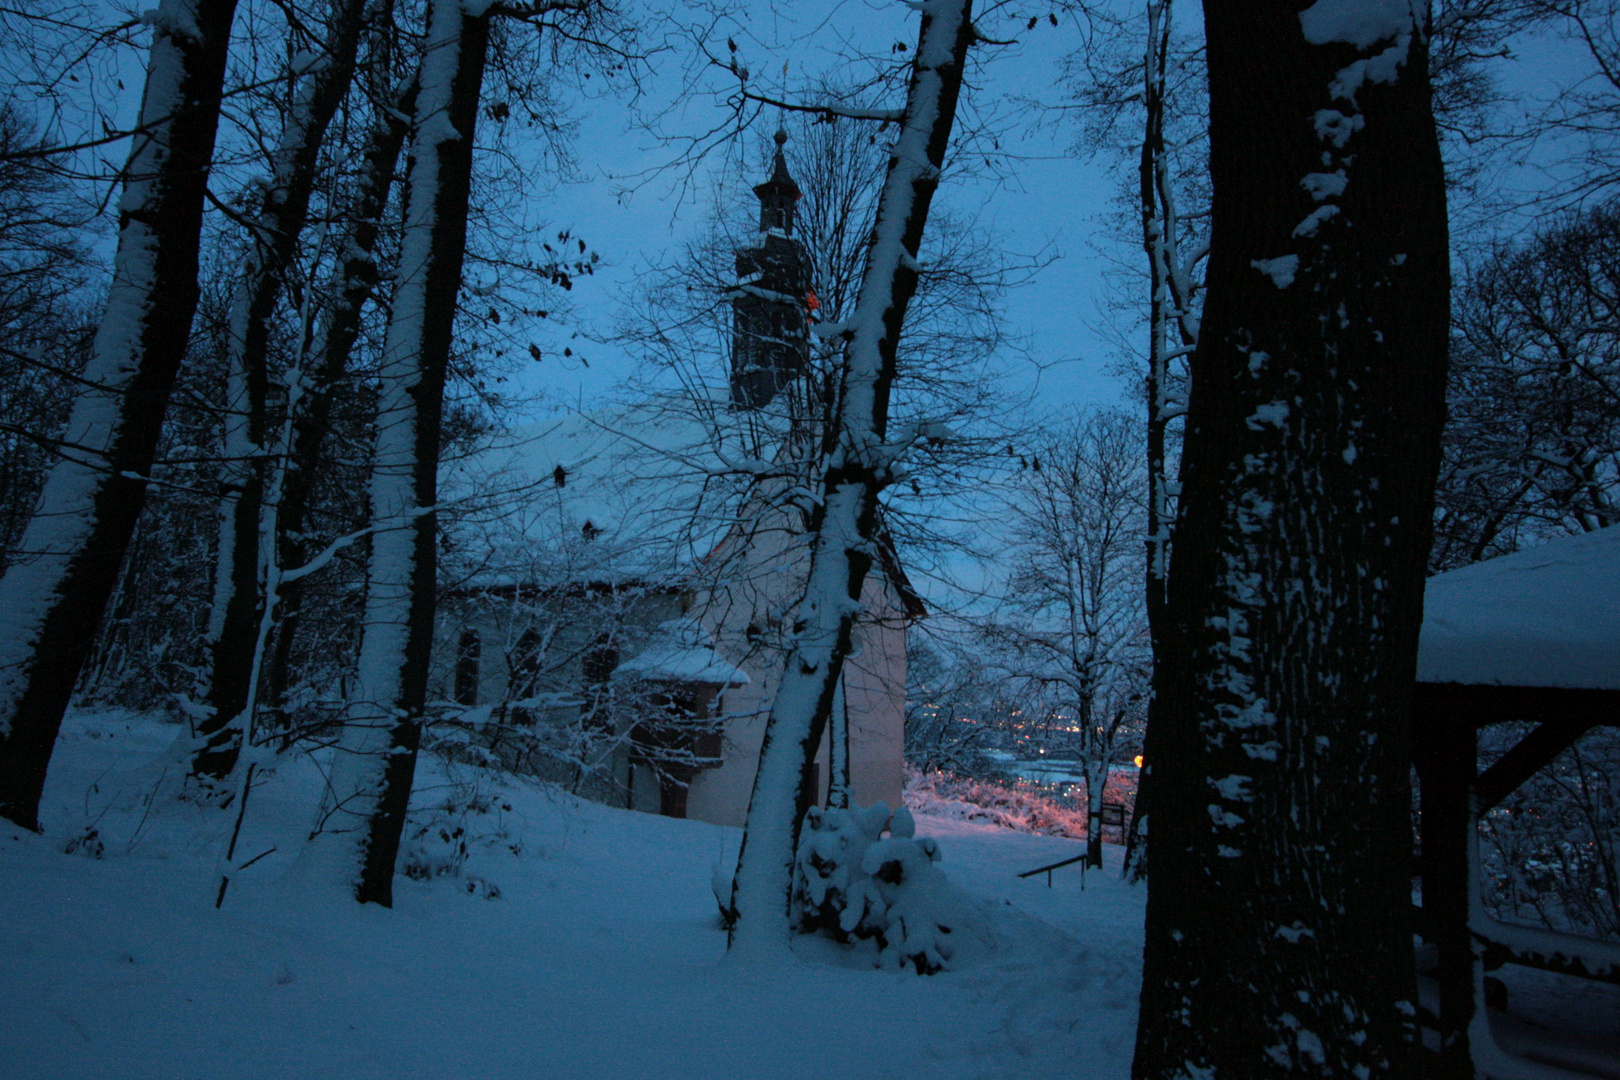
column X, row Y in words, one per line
column 1075, row 612
column 860, row 453
column 43, row 271
column 67, row 562
column 364, row 812
column 1533, row 439
column 764, row 411
column 239, row 624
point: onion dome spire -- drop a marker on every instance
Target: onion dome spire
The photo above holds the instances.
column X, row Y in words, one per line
column 778, row 195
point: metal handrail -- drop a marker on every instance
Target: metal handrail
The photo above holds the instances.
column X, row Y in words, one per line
column 1047, row 870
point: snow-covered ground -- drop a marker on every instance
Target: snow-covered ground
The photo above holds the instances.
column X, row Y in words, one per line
column 600, row 957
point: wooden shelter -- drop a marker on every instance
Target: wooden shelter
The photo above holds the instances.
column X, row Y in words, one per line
column 1533, row 636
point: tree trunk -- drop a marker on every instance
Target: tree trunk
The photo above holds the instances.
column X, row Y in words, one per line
column 838, row 781
column 1170, row 316
column 67, row 563
column 1096, row 782
column 1278, row 941
column 355, row 282
column 844, row 526
column 373, row 772
column 235, row 623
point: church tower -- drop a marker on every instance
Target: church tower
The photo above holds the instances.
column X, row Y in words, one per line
column 770, row 336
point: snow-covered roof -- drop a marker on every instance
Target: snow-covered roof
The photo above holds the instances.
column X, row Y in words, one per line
column 1549, row 616
column 679, row 653
column 629, row 493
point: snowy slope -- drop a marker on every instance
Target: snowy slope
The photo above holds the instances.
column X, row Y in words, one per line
column 600, row 958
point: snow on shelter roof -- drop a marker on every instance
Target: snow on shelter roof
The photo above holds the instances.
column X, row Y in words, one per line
column 1549, row 616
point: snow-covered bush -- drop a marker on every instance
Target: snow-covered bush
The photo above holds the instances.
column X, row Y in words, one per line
column 439, row 837
column 853, row 883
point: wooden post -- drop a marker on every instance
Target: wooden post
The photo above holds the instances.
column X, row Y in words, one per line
column 1444, row 746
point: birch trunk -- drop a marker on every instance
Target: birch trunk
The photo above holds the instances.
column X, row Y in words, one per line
column 1096, row 782
column 1278, row 941
column 66, row 567
column 239, row 605
column 376, row 763
column 844, row 525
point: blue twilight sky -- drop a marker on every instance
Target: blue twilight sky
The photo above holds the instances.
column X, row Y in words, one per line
column 1048, row 201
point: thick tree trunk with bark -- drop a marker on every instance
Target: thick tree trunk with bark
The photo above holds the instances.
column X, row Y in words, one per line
column 1278, row 934
column 235, row 625
column 844, row 527
column 66, row 567
column 376, row 763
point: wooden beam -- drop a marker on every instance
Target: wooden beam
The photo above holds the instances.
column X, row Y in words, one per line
column 1549, row 950
column 1529, row 755
column 1485, row 704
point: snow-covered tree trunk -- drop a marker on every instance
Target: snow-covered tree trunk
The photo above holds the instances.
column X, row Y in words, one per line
column 838, row 784
column 857, row 460
column 353, row 286
column 373, row 771
column 246, row 535
column 1097, row 768
column 67, row 562
column 1172, row 332
column 1160, row 241
column 1278, row 942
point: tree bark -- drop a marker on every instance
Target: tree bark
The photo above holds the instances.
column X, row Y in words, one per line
column 844, row 526
column 234, row 626
column 67, row 563
column 354, row 285
column 1278, row 941
column 373, row 772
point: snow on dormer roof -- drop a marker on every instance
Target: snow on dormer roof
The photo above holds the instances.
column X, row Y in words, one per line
column 679, row 653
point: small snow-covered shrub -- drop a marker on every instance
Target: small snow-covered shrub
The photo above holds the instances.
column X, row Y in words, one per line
column 85, row 842
column 853, row 883
column 438, row 838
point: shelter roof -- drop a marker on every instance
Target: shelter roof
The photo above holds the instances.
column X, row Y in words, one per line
column 1546, row 617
